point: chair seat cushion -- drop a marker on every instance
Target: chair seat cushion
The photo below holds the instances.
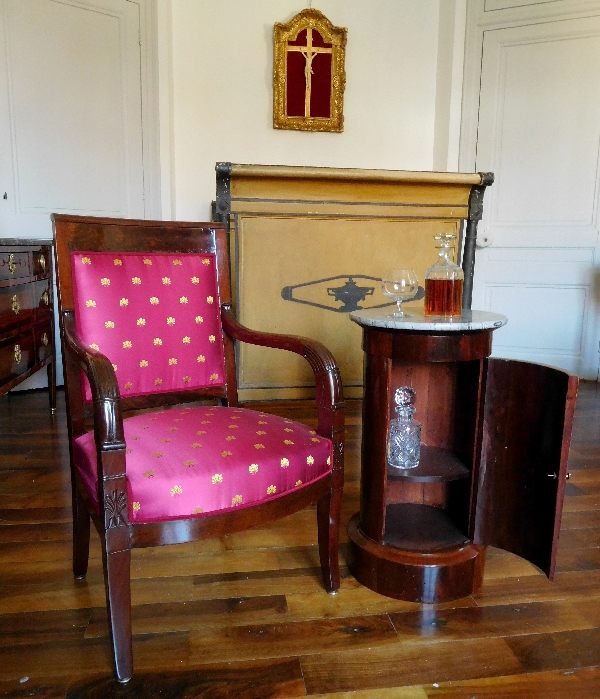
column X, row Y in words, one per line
column 188, row 462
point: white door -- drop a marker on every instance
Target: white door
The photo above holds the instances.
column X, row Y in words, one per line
column 539, row 132
column 70, row 115
column 70, row 112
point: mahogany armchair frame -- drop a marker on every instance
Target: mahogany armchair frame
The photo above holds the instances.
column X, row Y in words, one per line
column 105, row 414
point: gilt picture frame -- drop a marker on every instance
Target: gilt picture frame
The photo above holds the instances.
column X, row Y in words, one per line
column 309, row 76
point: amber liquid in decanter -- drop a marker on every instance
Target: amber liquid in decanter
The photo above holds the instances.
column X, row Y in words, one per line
column 443, row 297
column 444, row 282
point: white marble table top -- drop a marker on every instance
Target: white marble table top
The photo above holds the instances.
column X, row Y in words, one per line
column 468, row 320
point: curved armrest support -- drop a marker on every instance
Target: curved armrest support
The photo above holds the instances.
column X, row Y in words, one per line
column 108, row 421
column 329, row 391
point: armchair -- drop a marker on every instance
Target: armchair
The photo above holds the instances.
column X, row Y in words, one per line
column 160, row 451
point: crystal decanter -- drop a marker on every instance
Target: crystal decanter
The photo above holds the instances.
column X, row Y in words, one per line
column 444, row 281
column 404, row 445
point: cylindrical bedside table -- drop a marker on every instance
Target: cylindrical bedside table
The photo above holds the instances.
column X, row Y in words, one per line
column 412, row 537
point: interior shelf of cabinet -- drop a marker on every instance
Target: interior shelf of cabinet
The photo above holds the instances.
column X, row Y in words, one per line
column 422, row 528
column 435, row 465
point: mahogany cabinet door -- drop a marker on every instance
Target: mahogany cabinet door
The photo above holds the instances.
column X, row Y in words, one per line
column 526, row 431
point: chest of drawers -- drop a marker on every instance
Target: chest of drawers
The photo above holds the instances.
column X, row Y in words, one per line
column 26, row 313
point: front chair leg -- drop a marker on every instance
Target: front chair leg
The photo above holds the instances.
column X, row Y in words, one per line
column 328, row 521
column 81, row 534
column 118, row 600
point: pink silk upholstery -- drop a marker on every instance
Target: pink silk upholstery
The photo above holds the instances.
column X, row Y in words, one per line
column 193, row 461
column 156, row 316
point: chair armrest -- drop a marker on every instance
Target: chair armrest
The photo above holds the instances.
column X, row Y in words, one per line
column 329, row 390
column 108, row 421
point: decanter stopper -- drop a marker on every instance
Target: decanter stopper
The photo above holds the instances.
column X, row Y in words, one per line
column 404, row 445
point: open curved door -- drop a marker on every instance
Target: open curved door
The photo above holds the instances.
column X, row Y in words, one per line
column 518, row 487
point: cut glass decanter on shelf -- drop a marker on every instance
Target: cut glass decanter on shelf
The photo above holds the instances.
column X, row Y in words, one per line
column 404, row 445
column 444, row 281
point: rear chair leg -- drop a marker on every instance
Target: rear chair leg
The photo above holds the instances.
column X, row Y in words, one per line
column 81, row 534
column 328, row 521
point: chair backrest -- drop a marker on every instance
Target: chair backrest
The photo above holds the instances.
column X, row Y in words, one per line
column 148, row 294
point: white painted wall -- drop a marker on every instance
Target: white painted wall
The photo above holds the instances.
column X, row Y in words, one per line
column 216, row 93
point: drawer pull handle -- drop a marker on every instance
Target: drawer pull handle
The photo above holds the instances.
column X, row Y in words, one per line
column 18, row 354
column 12, row 267
column 44, row 339
column 43, row 263
column 46, row 298
column 15, row 305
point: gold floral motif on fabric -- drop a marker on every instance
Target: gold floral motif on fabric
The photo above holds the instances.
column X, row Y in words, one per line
column 90, row 304
column 166, row 281
column 285, row 462
column 310, row 460
column 189, row 462
column 94, row 346
column 205, row 261
column 157, row 454
column 170, row 320
column 127, row 344
column 105, row 281
column 136, row 506
column 157, row 341
column 197, row 511
column 141, row 321
column 86, row 261
column 176, row 490
column 229, row 438
column 187, row 379
column 259, row 446
column 297, row 483
column 236, row 500
column 253, row 468
column 271, row 490
column 128, row 386
column 177, row 262
column 199, row 319
column 195, row 280
column 212, row 338
column 109, row 324
column 183, row 299
column 217, row 478
column 225, row 454
column 172, row 361
column 143, row 363
column 124, row 302
column 136, row 280
column 186, row 340
column 148, row 474
column 154, row 300
column 209, row 299
column 147, row 261
column 196, row 445
column 287, row 441
column 214, row 377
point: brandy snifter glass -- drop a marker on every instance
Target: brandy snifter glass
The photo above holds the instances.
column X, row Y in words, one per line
column 400, row 284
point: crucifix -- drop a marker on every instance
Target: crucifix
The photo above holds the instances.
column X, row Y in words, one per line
column 309, row 52
column 308, row 73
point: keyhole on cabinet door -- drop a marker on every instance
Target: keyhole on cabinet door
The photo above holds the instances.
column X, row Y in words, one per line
column 5, row 196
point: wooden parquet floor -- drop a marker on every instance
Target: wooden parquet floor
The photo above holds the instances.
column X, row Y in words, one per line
column 246, row 616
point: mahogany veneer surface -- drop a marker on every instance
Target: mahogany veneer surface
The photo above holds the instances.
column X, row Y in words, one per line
column 246, row 616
